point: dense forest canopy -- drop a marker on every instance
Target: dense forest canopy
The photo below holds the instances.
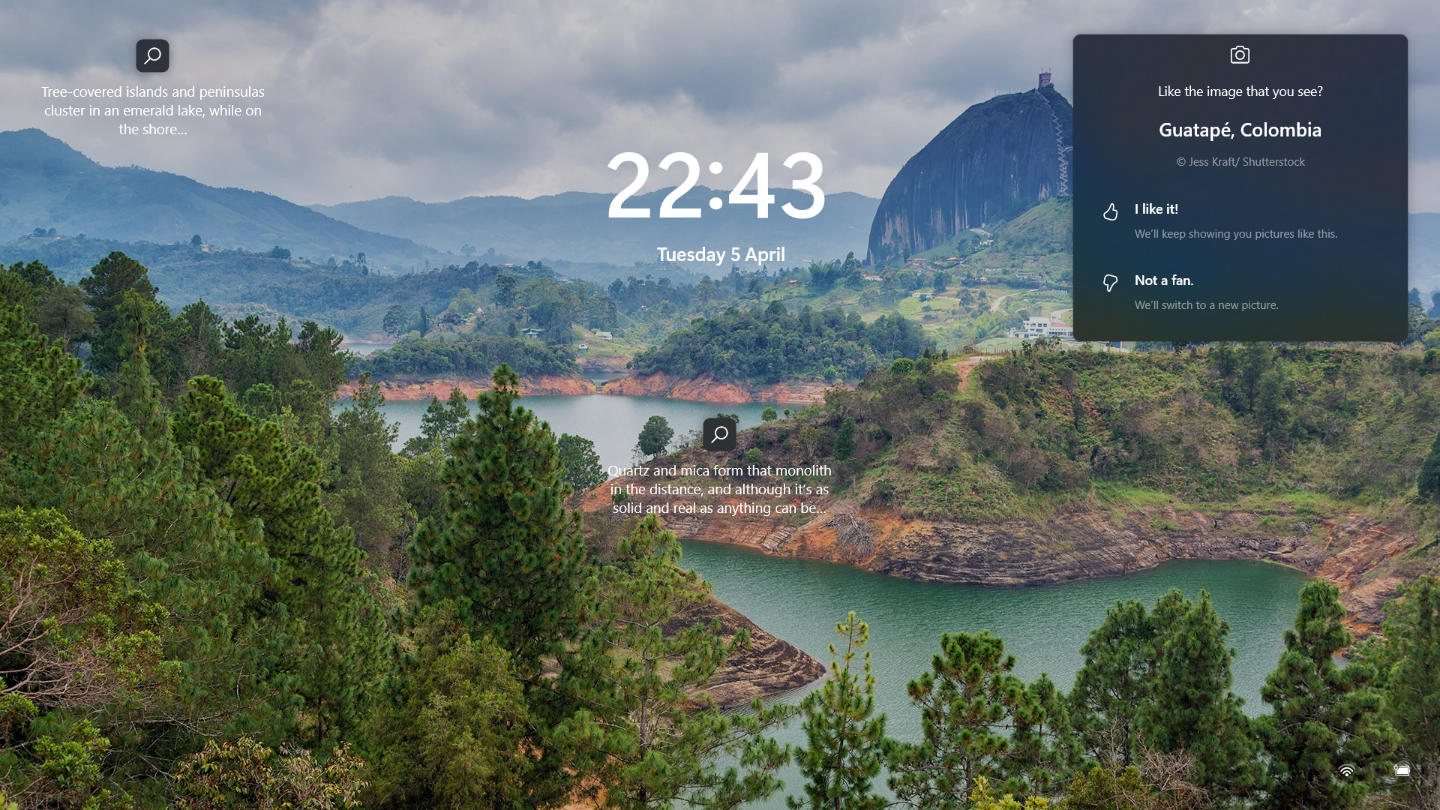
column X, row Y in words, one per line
column 770, row 344
column 345, row 294
column 472, row 356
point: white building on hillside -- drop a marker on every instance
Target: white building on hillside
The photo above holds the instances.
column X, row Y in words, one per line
column 1035, row 328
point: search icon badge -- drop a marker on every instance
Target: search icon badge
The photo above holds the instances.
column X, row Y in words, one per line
column 152, row 55
column 718, row 433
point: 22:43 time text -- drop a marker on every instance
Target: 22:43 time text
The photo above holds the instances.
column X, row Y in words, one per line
column 758, row 175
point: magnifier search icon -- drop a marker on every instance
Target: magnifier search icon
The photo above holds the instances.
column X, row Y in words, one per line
column 718, row 433
column 152, row 55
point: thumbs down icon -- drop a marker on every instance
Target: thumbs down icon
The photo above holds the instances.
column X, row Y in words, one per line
column 1110, row 281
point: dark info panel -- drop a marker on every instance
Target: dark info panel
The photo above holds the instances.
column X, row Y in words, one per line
column 1240, row 187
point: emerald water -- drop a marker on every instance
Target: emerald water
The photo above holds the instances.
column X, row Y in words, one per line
column 612, row 423
column 1043, row 627
column 801, row 600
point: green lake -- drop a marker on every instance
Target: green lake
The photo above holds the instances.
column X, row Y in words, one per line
column 1043, row 627
column 612, row 423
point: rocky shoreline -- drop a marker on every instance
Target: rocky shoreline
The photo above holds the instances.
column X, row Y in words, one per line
column 701, row 389
column 1360, row 554
column 767, row 667
column 707, row 389
column 422, row 390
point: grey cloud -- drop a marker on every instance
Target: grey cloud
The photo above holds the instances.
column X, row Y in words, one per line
column 444, row 98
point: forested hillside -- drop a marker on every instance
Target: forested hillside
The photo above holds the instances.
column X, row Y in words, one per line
column 1208, row 424
column 346, row 295
column 773, row 344
column 471, row 357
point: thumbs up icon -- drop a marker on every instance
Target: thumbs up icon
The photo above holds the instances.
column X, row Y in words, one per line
column 1111, row 214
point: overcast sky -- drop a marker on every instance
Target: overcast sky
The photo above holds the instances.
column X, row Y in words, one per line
column 441, row 99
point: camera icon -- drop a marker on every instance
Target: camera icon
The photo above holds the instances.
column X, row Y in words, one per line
column 1239, row 55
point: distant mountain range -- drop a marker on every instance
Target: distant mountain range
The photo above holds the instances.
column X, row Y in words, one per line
column 46, row 184
column 576, row 225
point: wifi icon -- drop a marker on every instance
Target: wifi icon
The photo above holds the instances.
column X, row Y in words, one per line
column 1347, row 770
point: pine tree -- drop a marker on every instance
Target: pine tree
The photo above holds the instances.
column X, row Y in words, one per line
column 664, row 732
column 845, row 439
column 366, row 484
column 197, row 339
column 320, row 360
column 105, row 289
column 1113, row 682
column 1044, row 748
column 56, row 307
column 966, row 702
column 505, row 550
column 442, row 420
column 1324, row 715
column 844, row 739
column 422, row 483
column 169, row 526
column 1408, row 661
column 38, row 380
column 135, row 389
column 580, row 462
column 319, row 601
column 451, row 732
column 259, row 635
column 1193, row 710
column 509, row 558
column 1159, row 682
